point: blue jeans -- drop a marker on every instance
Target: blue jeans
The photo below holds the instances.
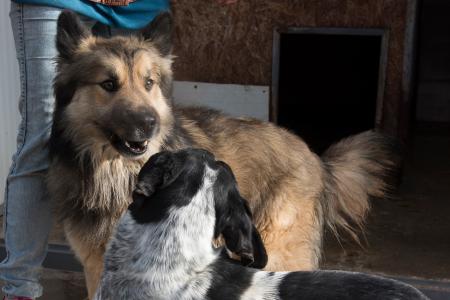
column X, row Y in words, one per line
column 27, row 215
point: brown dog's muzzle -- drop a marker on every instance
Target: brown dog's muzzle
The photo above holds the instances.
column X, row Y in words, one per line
column 131, row 129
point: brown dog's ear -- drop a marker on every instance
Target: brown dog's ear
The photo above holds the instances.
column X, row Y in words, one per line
column 234, row 221
column 70, row 32
column 159, row 33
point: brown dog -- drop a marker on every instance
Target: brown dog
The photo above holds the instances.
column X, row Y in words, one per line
column 113, row 111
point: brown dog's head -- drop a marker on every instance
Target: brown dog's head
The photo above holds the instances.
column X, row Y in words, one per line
column 112, row 94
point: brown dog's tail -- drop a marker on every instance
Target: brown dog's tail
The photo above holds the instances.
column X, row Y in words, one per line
column 357, row 167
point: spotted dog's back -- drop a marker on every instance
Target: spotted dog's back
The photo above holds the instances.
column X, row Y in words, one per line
column 162, row 246
column 237, row 282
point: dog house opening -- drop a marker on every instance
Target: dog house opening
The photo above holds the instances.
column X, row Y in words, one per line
column 328, row 83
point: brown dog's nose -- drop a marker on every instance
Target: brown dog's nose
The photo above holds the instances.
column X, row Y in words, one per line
column 144, row 123
column 134, row 124
column 149, row 120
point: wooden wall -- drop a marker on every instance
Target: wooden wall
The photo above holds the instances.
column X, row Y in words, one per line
column 233, row 43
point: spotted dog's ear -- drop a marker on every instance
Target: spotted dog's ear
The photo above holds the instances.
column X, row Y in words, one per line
column 234, row 221
column 259, row 250
column 158, row 172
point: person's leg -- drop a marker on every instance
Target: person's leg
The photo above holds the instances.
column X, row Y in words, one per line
column 27, row 215
column 27, row 211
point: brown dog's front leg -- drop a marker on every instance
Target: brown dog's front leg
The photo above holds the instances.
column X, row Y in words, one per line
column 91, row 257
column 93, row 268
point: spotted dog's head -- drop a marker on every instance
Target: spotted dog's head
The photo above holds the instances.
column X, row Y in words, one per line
column 170, row 180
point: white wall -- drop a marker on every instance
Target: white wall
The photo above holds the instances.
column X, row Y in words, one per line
column 9, row 94
column 235, row 100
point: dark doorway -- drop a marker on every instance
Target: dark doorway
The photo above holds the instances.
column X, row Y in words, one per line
column 328, row 83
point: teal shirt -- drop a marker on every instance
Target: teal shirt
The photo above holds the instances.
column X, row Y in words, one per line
column 133, row 16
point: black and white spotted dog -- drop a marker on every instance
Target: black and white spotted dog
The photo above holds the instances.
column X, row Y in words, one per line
column 162, row 247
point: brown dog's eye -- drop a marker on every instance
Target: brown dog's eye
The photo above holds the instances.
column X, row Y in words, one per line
column 148, row 84
column 109, row 85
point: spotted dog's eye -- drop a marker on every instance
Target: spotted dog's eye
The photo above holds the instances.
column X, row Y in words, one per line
column 148, row 84
column 109, row 85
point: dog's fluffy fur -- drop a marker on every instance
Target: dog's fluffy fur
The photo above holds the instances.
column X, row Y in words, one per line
column 162, row 246
column 113, row 111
